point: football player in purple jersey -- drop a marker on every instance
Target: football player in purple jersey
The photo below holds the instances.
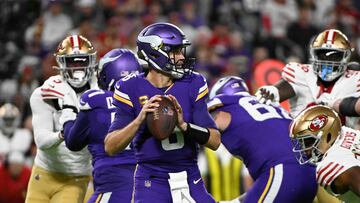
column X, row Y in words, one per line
column 113, row 175
column 259, row 135
column 167, row 170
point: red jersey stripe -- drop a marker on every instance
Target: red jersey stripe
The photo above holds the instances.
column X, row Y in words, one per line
column 333, row 176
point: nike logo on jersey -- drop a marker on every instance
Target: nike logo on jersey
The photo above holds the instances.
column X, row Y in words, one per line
column 196, row 181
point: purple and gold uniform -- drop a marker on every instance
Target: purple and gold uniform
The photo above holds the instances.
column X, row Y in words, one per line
column 159, row 160
column 113, row 176
column 259, row 134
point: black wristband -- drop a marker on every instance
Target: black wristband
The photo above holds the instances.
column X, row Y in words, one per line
column 199, row 134
column 70, row 107
column 347, row 107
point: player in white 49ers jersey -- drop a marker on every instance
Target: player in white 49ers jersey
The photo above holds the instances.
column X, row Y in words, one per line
column 324, row 81
column 319, row 138
column 58, row 174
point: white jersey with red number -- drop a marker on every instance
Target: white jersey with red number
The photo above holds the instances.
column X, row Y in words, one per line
column 303, row 80
column 337, row 160
column 52, row 153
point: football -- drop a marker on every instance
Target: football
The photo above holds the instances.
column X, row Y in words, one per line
column 162, row 122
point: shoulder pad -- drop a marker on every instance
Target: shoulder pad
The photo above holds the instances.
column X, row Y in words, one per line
column 124, row 87
column 55, row 78
column 200, row 85
column 327, row 171
column 92, row 99
column 296, row 72
column 52, row 79
column 224, row 100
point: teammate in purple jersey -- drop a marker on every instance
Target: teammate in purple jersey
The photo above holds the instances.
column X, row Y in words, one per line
column 113, row 175
column 167, row 170
column 259, row 135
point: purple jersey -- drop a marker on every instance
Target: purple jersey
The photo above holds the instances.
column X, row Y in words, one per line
column 177, row 152
column 90, row 128
column 258, row 133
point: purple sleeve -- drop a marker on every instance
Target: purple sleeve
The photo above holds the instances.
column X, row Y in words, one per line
column 200, row 94
column 122, row 118
column 76, row 132
column 202, row 117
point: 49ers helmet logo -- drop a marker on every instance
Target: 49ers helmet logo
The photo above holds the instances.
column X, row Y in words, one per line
column 318, row 122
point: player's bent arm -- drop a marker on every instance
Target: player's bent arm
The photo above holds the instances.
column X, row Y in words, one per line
column 43, row 123
column 76, row 132
column 348, row 180
column 117, row 140
column 222, row 119
column 214, row 139
column 286, row 91
column 209, row 137
column 349, row 106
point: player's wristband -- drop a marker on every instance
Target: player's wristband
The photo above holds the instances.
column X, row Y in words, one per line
column 347, row 107
column 199, row 134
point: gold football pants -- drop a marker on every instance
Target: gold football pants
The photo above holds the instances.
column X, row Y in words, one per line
column 49, row 187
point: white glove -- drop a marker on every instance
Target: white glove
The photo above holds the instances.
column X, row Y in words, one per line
column 327, row 100
column 70, row 100
column 69, row 106
column 67, row 114
column 268, row 94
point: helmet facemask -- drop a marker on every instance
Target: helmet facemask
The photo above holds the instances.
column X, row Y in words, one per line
column 307, row 149
column 329, row 64
column 77, row 69
column 330, row 52
column 178, row 68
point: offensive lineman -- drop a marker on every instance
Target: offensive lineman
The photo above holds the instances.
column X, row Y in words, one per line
column 113, row 175
column 258, row 134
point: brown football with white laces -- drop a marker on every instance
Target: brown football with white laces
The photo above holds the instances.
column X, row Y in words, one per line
column 162, row 122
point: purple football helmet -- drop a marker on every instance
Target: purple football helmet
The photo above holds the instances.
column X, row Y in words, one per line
column 228, row 85
column 115, row 65
column 154, row 44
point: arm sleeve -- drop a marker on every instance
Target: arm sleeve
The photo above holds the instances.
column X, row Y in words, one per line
column 295, row 74
column 122, row 118
column 125, row 112
column 201, row 116
column 43, row 122
column 76, row 132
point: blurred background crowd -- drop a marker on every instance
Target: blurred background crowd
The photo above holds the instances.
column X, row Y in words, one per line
column 249, row 38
